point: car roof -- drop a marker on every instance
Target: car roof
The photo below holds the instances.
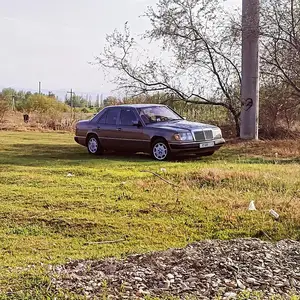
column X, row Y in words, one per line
column 135, row 105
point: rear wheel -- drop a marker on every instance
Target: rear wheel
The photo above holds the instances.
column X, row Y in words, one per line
column 160, row 150
column 93, row 145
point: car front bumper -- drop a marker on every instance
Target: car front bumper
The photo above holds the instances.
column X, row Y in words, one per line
column 196, row 147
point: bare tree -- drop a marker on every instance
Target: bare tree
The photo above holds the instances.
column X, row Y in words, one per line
column 281, row 42
column 201, row 62
column 280, row 64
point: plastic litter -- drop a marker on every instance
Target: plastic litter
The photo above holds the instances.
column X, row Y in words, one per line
column 252, row 206
column 274, row 214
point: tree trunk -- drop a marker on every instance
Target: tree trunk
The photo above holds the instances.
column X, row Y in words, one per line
column 236, row 118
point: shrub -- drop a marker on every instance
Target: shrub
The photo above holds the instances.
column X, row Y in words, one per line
column 4, row 108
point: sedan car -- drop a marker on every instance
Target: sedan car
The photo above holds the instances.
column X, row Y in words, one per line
column 149, row 128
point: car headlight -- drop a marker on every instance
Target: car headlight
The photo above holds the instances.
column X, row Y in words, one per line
column 217, row 133
column 183, row 136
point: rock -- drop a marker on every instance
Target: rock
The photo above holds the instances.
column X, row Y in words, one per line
column 230, row 295
column 170, row 276
column 251, row 280
column 167, row 284
column 141, row 291
column 138, row 279
column 128, row 287
column 240, row 284
column 210, row 275
column 230, row 283
column 191, row 279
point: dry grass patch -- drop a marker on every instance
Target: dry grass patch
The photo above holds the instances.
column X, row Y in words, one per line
column 270, row 149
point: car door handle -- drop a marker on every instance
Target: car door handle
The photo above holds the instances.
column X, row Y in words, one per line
column 119, row 129
column 98, row 127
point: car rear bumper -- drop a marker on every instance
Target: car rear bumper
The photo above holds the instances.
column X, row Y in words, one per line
column 80, row 140
column 195, row 147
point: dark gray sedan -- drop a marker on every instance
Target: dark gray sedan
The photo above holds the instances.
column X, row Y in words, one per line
column 149, row 128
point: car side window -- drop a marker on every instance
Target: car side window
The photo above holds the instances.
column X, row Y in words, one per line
column 127, row 117
column 102, row 119
column 112, row 116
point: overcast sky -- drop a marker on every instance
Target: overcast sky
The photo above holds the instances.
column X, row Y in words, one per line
column 52, row 41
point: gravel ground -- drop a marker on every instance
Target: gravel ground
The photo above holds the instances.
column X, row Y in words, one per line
column 202, row 270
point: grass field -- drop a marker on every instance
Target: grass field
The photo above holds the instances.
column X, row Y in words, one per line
column 47, row 217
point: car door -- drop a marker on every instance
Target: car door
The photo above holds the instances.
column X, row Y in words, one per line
column 107, row 128
column 131, row 131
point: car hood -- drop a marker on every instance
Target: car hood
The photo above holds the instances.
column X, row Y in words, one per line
column 182, row 125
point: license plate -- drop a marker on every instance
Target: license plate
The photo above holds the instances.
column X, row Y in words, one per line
column 207, row 145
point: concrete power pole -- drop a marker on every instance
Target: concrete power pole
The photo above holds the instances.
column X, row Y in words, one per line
column 13, row 97
column 71, row 102
column 250, row 70
column 40, row 87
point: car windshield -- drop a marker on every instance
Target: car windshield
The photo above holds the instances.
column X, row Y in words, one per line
column 155, row 114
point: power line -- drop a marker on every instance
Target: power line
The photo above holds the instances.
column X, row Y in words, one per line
column 71, row 101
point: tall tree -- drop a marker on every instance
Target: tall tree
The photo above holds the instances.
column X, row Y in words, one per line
column 203, row 65
column 77, row 101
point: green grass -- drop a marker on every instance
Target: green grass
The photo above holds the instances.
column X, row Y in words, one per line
column 49, row 218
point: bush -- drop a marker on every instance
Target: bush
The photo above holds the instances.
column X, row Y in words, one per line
column 279, row 111
column 85, row 110
column 4, row 108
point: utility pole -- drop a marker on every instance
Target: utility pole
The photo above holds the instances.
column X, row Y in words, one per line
column 250, row 70
column 13, row 97
column 40, row 87
column 71, row 102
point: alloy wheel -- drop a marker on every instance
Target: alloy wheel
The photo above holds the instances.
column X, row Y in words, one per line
column 160, row 151
column 93, row 145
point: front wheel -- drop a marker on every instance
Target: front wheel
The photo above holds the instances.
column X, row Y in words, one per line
column 93, row 145
column 160, row 150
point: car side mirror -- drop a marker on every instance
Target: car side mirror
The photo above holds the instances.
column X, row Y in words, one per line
column 137, row 123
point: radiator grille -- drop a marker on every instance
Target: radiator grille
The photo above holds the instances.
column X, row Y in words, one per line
column 208, row 134
column 203, row 135
column 199, row 136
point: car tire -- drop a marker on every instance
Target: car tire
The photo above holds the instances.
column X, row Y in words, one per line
column 94, row 146
column 160, row 150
